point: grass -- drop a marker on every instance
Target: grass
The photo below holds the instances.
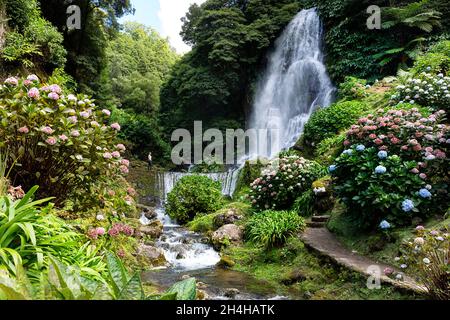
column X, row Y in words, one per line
column 296, row 272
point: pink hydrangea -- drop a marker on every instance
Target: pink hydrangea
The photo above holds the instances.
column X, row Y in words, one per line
column 121, row 147
column 107, row 155
column 116, row 126
column 124, row 169
column 53, row 96
column 72, row 98
column 23, row 130
column 95, row 124
column 33, row 93
column 84, row 114
column 73, row 119
column 100, row 231
column 47, row 130
column 75, row 133
column 12, row 81
column 116, row 154
column 125, row 162
column 27, row 83
column 33, row 77
column 55, row 89
column 106, row 112
column 63, row 137
column 51, row 141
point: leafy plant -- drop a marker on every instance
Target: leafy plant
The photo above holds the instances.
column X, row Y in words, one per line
column 327, row 122
column 193, row 195
column 273, row 228
column 436, row 60
column 64, row 282
column 353, row 88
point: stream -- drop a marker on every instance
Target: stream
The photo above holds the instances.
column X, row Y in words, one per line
column 189, row 254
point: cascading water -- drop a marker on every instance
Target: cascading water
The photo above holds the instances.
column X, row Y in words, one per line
column 295, row 83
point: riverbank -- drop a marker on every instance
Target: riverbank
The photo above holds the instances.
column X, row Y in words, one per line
column 292, row 271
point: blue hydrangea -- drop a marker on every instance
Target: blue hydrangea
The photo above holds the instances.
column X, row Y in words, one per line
column 385, row 225
column 424, row 193
column 360, row 147
column 382, row 155
column 332, row 168
column 348, row 152
column 380, row 170
column 407, row 205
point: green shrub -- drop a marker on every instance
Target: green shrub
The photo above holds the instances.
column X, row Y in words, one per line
column 328, row 149
column 273, row 228
column 327, row 122
column 304, row 205
column 436, row 60
column 58, row 142
column 193, row 195
column 282, row 181
column 353, row 88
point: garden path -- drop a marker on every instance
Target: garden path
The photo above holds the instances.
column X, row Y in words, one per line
column 323, row 241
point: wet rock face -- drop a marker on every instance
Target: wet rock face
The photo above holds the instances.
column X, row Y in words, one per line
column 153, row 255
column 153, row 230
column 231, row 293
column 229, row 217
column 226, row 234
column 149, row 212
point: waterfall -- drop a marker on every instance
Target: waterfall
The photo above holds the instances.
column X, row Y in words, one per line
column 294, row 85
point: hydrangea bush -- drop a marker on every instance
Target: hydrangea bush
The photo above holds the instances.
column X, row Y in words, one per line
column 282, row 181
column 426, row 90
column 395, row 167
column 60, row 142
column 428, row 255
column 380, row 188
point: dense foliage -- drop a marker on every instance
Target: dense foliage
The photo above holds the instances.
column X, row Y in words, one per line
column 33, row 42
column 273, row 228
column 327, row 122
column 56, row 141
column 193, row 195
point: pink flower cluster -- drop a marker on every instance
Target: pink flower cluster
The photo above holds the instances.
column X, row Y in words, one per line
column 121, row 228
column 405, row 132
column 94, row 233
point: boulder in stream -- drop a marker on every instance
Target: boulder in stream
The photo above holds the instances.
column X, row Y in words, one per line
column 151, row 254
column 226, row 234
column 229, row 217
column 153, row 230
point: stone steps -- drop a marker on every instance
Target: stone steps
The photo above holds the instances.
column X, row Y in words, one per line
column 317, row 222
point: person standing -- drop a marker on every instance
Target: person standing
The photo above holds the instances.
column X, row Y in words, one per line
column 150, row 160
